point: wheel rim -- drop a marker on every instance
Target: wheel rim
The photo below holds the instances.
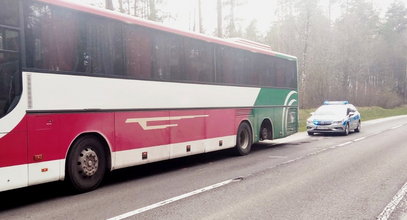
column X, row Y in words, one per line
column 264, row 133
column 244, row 139
column 88, row 162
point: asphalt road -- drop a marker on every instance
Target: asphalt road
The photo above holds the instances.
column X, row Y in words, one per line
column 360, row 176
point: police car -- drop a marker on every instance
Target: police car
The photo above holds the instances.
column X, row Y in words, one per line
column 334, row 117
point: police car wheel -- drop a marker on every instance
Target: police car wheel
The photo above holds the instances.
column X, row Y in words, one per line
column 358, row 127
column 346, row 132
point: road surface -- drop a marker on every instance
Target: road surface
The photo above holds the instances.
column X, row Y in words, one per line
column 359, row 176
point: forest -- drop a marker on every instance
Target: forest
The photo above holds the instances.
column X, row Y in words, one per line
column 346, row 49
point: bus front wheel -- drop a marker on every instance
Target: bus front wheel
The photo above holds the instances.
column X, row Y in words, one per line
column 86, row 164
column 244, row 139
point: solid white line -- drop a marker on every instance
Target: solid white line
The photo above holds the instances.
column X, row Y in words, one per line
column 174, row 199
column 388, row 210
column 396, row 127
column 346, row 143
column 278, row 157
column 359, row 139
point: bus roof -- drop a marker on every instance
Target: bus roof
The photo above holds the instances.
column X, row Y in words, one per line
column 253, row 47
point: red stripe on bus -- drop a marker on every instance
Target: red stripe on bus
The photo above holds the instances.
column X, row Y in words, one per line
column 13, row 146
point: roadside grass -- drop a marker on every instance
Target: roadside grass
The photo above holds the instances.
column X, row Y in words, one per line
column 367, row 113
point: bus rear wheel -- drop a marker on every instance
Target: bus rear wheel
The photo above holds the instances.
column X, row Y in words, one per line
column 86, row 164
column 244, row 139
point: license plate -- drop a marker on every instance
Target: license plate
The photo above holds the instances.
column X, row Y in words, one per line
column 322, row 128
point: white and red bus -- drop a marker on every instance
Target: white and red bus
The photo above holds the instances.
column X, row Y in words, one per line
column 84, row 91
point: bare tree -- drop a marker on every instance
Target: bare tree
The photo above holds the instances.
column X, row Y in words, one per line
column 252, row 33
column 219, row 18
column 200, row 18
column 121, row 9
column 109, row 4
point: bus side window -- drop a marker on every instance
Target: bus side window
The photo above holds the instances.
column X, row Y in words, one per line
column 10, row 77
column 167, row 57
column 225, row 67
column 238, row 70
column 51, row 38
column 70, row 41
column 251, row 75
column 280, row 74
column 9, row 13
column 292, row 74
column 138, row 52
column 9, row 81
column 199, row 65
column 265, row 68
column 101, row 47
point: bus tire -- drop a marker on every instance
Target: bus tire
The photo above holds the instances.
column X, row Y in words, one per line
column 266, row 131
column 86, row 164
column 244, row 139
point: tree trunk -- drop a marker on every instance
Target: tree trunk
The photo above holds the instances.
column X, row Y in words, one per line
column 136, row 8
column 109, row 4
column 152, row 10
column 232, row 26
column 200, row 27
column 304, row 59
column 220, row 18
column 121, row 9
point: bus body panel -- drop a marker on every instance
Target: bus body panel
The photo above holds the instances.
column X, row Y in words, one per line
column 13, row 158
column 51, row 126
column 51, row 134
column 13, row 146
column 285, row 107
column 13, row 177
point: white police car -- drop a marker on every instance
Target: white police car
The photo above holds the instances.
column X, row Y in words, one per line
column 334, row 117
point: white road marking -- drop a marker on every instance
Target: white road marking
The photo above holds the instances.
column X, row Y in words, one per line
column 396, row 127
column 343, row 144
column 278, row 157
column 359, row 139
column 378, row 133
column 388, row 210
column 288, row 161
column 174, row 199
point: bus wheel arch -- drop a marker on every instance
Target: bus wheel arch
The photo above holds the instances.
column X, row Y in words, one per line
column 266, row 130
column 87, row 162
column 244, row 138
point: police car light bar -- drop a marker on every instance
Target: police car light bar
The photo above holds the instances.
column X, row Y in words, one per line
column 336, row 102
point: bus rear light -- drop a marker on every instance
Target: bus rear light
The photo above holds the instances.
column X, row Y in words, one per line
column 188, row 148
column 38, row 157
column 144, row 155
column 44, row 170
column 220, row 143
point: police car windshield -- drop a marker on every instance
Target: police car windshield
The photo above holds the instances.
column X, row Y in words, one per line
column 339, row 110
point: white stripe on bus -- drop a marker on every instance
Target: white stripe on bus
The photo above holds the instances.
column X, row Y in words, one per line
column 109, row 93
